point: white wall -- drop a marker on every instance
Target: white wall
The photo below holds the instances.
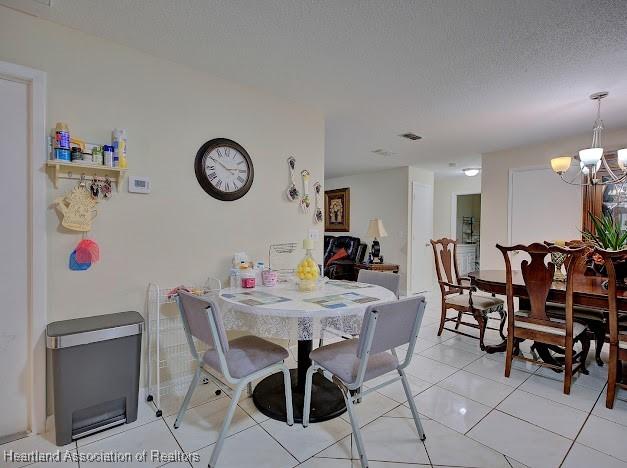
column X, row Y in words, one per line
column 382, row 195
column 445, row 187
column 177, row 234
column 495, row 179
column 386, row 195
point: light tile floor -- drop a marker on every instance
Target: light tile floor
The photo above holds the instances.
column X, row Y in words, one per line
column 473, row 417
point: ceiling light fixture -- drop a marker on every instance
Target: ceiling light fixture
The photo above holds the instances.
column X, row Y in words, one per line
column 594, row 167
column 471, row 171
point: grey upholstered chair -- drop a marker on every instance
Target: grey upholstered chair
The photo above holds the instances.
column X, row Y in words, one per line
column 240, row 361
column 391, row 281
column 387, row 280
column 353, row 362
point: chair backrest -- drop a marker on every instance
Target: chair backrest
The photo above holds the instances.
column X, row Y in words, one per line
column 446, row 268
column 609, row 258
column 389, row 325
column 387, row 280
column 348, row 243
column 537, row 277
column 573, row 244
column 195, row 312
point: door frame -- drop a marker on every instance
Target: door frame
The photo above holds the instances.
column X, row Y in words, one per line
column 36, row 82
column 454, row 196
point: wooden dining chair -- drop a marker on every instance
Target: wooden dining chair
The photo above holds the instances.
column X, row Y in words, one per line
column 535, row 324
column 617, row 330
column 460, row 297
column 594, row 318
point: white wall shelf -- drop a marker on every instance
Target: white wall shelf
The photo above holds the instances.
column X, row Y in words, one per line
column 74, row 170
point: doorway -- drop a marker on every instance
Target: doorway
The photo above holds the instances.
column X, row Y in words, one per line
column 466, row 228
column 23, row 251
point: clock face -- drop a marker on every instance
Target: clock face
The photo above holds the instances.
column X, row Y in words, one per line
column 224, row 169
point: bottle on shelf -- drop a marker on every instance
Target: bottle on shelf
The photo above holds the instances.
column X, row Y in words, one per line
column 62, row 142
column 119, row 146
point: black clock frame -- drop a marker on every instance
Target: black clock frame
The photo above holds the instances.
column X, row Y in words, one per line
column 201, row 175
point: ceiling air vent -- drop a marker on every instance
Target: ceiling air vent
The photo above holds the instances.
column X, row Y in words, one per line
column 410, row 136
column 382, row 152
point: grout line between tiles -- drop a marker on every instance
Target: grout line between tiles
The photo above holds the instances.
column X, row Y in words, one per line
column 494, row 408
column 175, row 440
column 581, row 429
column 298, row 462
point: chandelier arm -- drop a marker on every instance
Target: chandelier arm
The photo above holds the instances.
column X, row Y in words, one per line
column 570, row 182
column 617, row 181
column 609, row 170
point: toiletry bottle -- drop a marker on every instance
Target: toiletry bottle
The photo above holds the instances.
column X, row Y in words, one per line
column 119, row 149
column 107, row 152
column 122, row 160
column 62, row 142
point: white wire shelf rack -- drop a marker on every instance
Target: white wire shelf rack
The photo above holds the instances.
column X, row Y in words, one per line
column 283, row 258
column 169, row 363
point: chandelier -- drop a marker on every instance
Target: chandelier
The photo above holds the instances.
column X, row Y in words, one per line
column 591, row 159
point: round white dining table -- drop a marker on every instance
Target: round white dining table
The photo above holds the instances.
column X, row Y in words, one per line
column 284, row 312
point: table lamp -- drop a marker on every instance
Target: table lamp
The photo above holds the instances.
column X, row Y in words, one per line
column 376, row 231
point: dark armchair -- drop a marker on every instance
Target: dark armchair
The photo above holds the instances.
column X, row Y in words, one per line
column 343, row 268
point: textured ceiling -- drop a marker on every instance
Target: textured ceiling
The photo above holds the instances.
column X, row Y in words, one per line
column 470, row 76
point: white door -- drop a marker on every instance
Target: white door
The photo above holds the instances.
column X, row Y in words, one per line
column 422, row 232
column 14, row 260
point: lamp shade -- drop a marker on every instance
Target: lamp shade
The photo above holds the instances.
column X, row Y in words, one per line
column 622, row 158
column 590, row 156
column 561, row 164
column 376, row 229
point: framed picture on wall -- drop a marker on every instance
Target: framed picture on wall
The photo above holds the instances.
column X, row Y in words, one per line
column 337, row 210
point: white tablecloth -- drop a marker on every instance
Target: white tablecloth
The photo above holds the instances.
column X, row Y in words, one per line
column 291, row 314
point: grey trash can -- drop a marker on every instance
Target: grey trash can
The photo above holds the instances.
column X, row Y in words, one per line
column 95, row 372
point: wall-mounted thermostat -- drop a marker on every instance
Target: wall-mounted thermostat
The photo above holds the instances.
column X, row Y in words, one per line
column 138, row 184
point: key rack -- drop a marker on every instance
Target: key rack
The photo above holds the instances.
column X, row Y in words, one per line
column 73, row 170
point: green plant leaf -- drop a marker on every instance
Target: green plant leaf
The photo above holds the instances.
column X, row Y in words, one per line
column 607, row 234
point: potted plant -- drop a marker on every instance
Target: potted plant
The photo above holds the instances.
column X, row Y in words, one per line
column 609, row 235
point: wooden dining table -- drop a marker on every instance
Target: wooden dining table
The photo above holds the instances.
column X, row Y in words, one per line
column 588, row 291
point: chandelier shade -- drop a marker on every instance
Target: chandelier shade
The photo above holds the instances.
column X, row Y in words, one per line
column 621, row 156
column 561, row 164
column 590, row 156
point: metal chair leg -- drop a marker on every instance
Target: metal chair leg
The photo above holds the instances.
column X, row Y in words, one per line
column 287, row 381
column 225, row 426
column 355, row 425
column 249, row 389
column 412, row 405
column 307, row 402
column 188, row 396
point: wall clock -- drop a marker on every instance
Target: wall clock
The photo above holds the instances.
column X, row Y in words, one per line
column 224, row 169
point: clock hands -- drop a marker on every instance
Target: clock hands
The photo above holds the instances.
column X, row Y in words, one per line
column 221, row 164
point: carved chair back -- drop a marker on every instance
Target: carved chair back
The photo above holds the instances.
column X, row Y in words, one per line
column 609, row 257
column 537, row 276
column 580, row 267
column 445, row 256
